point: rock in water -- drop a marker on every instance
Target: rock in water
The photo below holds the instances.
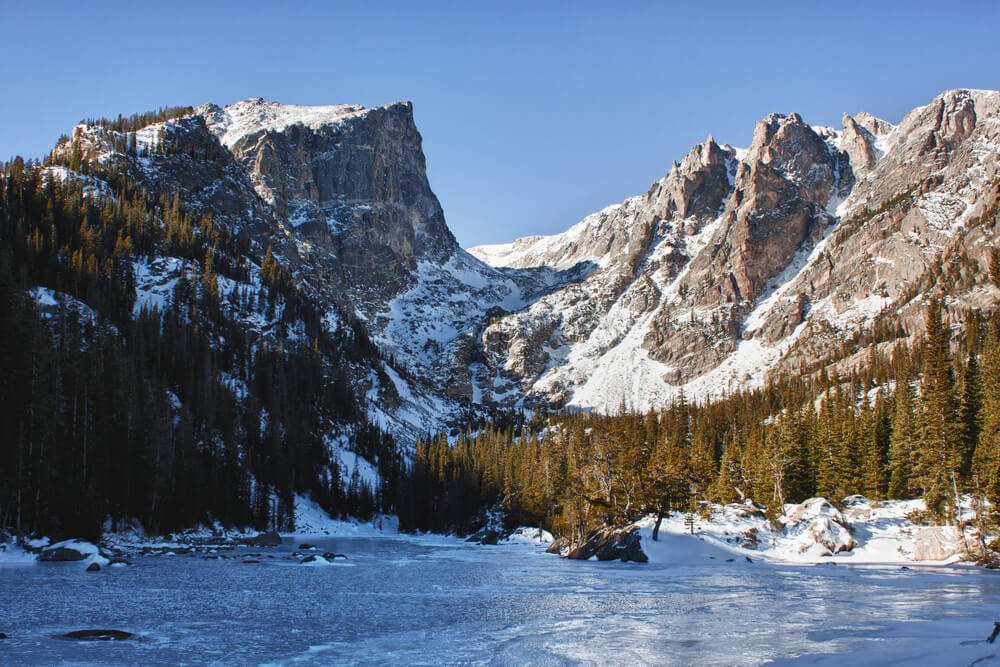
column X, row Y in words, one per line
column 610, row 543
column 268, row 539
column 485, row 536
column 61, row 555
column 94, row 567
column 98, row 635
column 3, row 635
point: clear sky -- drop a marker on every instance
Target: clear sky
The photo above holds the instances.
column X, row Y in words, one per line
column 533, row 114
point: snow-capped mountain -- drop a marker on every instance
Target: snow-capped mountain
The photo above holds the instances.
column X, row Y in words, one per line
column 736, row 265
column 740, row 264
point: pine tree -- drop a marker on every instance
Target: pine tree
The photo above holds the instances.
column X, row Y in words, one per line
column 939, row 459
column 986, row 459
column 904, row 430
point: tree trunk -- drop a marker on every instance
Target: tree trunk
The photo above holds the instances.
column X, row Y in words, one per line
column 656, row 527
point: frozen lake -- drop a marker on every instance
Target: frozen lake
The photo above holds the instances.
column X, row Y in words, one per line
column 434, row 600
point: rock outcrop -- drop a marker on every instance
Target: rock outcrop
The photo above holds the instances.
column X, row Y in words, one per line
column 610, row 543
column 818, row 528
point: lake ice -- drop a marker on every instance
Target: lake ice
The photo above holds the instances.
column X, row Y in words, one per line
column 437, row 600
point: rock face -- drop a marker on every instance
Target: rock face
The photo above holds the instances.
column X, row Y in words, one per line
column 939, row 543
column 610, row 543
column 350, row 182
column 740, row 264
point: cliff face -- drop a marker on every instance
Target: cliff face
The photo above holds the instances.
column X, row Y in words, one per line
column 348, row 185
column 733, row 273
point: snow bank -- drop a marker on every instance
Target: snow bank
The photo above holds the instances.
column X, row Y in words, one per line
column 13, row 554
column 815, row 531
column 528, row 535
column 311, row 519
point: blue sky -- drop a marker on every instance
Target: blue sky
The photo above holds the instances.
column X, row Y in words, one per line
column 533, row 114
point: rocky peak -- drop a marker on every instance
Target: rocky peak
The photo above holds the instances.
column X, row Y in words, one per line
column 859, row 144
column 781, row 189
column 697, row 187
column 348, row 181
column 792, row 148
column 876, row 126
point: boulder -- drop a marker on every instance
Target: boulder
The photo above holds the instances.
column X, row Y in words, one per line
column 306, row 545
column 61, row 555
column 485, row 536
column 588, row 548
column 98, row 635
column 610, row 543
column 819, row 528
column 3, row 636
column 558, row 545
column 325, row 559
column 624, row 545
column 268, row 539
column 938, row 543
column 93, row 567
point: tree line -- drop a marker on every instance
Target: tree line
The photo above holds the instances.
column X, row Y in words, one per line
column 919, row 420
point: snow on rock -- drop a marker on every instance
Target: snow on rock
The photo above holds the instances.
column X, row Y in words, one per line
column 232, row 123
column 93, row 187
column 316, row 560
column 528, row 535
column 74, row 550
column 818, row 528
column 815, row 531
column 938, row 543
column 155, row 280
column 50, row 302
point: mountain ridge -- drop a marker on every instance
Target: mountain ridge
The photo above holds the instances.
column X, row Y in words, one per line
column 708, row 282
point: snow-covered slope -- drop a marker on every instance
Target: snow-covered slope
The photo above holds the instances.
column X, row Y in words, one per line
column 741, row 264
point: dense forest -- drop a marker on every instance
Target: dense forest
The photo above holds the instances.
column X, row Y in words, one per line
column 173, row 418
column 910, row 421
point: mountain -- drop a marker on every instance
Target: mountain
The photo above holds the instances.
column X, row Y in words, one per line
column 737, row 265
column 282, row 285
column 740, row 265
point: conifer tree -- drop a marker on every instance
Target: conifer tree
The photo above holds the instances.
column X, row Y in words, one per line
column 939, row 460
